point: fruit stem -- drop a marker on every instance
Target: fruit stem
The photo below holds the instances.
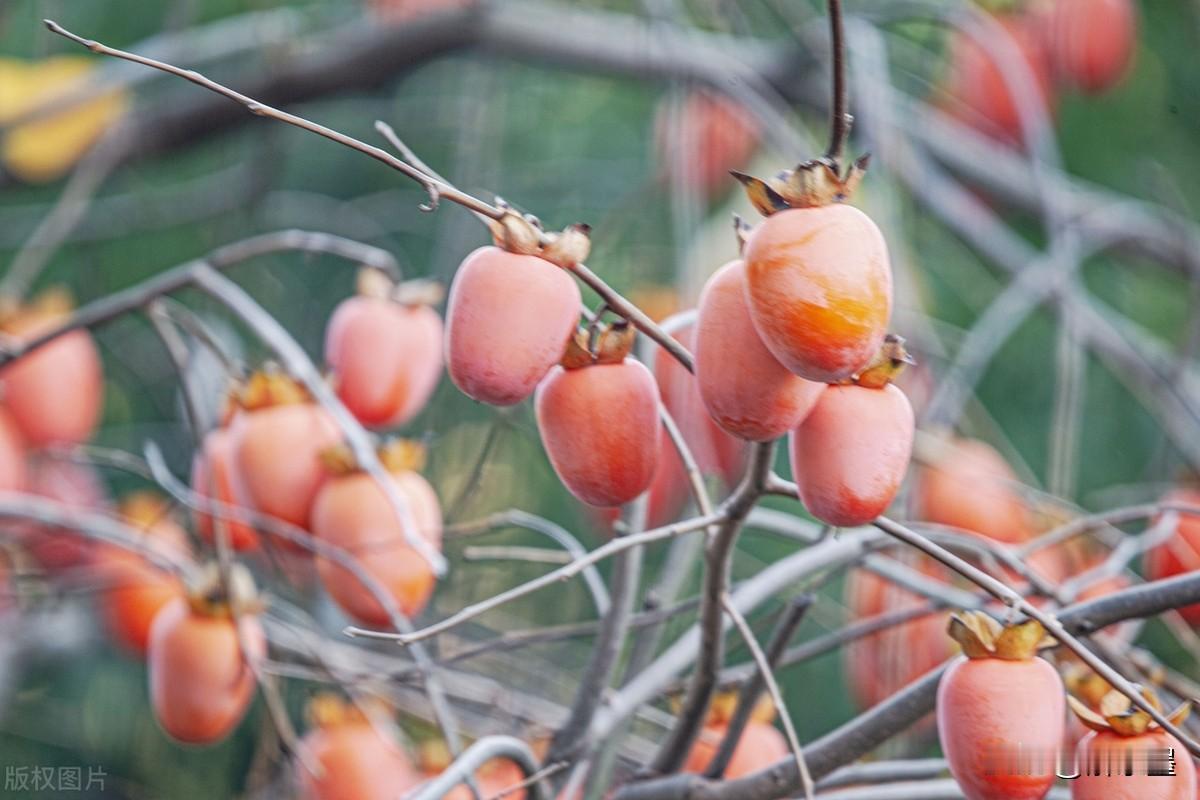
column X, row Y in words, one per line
column 839, row 120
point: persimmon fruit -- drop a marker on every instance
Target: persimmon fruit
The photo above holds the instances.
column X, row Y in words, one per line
column 716, row 134
column 819, row 289
column 998, row 700
column 971, row 486
column 745, row 388
column 386, row 358
column 77, row 486
column 200, row 683
column 850, row 454
column 508, row 319
column 353, row 512
column 760, row 745
column 360, row 758
column 55, row 394
column 1091, row 42
column 1181, row 552
column 600, row 426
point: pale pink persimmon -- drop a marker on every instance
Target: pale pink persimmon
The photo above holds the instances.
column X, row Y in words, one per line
column 1181, row 552
column 212, row 477
column 352, row 511
column 56, row 393
column 361, row 759
column 76, row 486
column 716, row 451
column 971, row 486
column 508, row 320
column 1091, row 42
column 745, row 388
column 276, row 458
column 850, row 454
column 819, row 288
column 600, row 427
column 760, row 746
column 987, row 708
column 386, row 358
column 200, row 686
column 1101, row 758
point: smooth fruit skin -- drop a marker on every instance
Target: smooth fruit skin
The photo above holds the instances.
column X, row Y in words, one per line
column 977, row 85
column 1092, row 41
column 600, row 427
column 55, row 394
column 668, row 493
column 1180, row 553
column 134, row 589
column 386, row 358
column 715, row 451
column 359, row 763
column 14, row 476
column 276, row 458
column 213, row 467
column 1105, row 748
column 353, row 512
column 972, row 487
column 199, row 686
column 849, row 456
column 508, row 319
column 745, row 388
column 986, row 708
column 760, row 746
column 492, row 778
column 819, row 287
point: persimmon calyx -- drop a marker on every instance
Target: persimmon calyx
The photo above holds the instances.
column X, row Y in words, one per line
column 1084, row 683
column 53, row 303
column 396, row 455
column 980, row 636
column 523, row 234
column 607, row 344
column 741, row 230
column 211, row 596
column 269, row 387
column 328, row 710
column 376, row 284
column 1117, row 714
column 886, row 366
column 812, row 183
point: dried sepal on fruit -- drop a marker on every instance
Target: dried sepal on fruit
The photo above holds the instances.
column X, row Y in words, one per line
column 981, row 636
column 269, row 387
column 811, row 184
column 606, row 344
column 213, row 594
column 887, row 365
column 1117, row 713
column 523, row 234
column 358, row 749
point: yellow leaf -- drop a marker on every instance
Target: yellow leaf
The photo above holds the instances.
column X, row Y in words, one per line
column 45, row 148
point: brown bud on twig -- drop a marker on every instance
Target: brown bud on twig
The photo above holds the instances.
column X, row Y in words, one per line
column 570, row 247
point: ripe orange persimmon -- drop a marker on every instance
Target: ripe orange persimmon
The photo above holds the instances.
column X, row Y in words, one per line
column 55, row 393
column 200, row 683
column 1091, row 42
column 715, row 451
column 492, row 778
column 996, row 701
column 361, row 758
column 745, row 388
column 971, row 486
column 134, row 589
column 212, row 477
column 14, row 476
column 386, row 357
column 508, row 320
column 600, row 426
column 668, row 491
column 352, row 511
column 850, row 454
column 1180, row 553
column 760, row 746
column 715, row 134
column 819, row 288
column 978, row 89
column 277, row 440
column 76, row 486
